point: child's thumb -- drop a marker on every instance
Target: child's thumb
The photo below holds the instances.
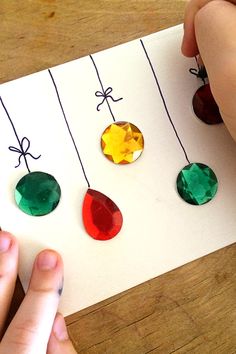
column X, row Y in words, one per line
column 59, row 342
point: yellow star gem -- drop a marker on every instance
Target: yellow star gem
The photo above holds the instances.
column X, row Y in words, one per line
column 122, row 142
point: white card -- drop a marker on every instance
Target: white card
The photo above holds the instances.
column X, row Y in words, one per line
column 160, row 231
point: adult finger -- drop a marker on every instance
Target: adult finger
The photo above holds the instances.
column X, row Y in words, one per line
column 8, row 273
column 30, row 329
column 215, row 33
column 59, row 342
column 189, row 43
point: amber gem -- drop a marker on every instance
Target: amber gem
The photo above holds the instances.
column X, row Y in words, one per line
column 101, row 216
column 122, row 142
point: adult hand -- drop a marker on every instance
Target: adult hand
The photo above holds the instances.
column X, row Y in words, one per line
column 210, row 30
column 37, row 328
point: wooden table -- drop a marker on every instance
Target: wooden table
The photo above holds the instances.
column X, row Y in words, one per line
column 189, row 310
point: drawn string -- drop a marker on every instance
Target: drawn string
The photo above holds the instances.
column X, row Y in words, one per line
column 24, row 143
column 105, row 94
column 201, row 72
column 23, row 151
column 68, row 127
column 164, row 102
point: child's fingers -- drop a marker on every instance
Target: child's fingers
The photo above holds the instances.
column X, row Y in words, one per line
column 216, row 38
column 8, row 273
column 30, row 329
column 59, row 342
column 189, row 44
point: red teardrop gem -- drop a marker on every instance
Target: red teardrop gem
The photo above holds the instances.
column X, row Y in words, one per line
column 101, row 216
column 205, row 107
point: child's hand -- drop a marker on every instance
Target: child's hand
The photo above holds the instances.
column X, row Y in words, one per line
column 34, row 329
column 210, row 30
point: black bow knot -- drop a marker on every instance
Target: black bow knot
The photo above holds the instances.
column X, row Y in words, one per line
column 105, row 95
column 23, row 150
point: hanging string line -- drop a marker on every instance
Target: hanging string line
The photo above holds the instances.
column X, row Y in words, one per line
column 105, row 94
column 201, row 72
column 68, row 127
column 24, row 143
column 164, row 102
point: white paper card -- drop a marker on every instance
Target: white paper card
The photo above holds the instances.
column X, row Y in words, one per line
column 160, row 231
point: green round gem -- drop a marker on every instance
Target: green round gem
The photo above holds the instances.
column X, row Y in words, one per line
column 37, row 193
column 197, row 184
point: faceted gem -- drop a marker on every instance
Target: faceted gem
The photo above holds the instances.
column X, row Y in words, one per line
column 101, row 216
column 197, row 184
column 205, row 107
column 37, row 193
column 122, row 142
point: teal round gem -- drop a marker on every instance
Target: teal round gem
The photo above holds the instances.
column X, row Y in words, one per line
column 197, row 184
column 37, row 193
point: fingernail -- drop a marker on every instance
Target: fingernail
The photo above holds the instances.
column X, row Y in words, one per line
column 5, row 242
column 47, row 260
column 59, row 328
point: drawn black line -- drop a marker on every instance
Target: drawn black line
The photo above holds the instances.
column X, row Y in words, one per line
column 68, row 127
column 105, row 94
column 24, row 143
column 164, row 102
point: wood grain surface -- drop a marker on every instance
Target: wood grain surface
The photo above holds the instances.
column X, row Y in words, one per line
column 189, row 310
